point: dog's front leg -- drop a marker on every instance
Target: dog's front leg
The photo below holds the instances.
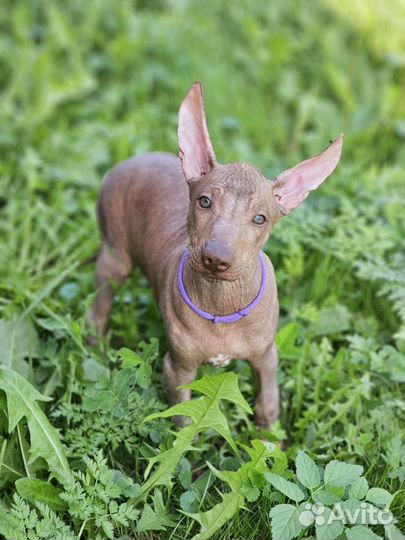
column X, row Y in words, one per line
column 175, row 375
column 267, row 397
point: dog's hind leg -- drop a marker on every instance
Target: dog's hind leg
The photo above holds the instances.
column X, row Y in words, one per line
column 112, row 268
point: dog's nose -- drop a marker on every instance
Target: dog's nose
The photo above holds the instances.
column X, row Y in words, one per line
column 217, row 257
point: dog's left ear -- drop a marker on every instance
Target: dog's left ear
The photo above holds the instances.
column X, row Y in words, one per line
column 293, row 186
column 196, row 151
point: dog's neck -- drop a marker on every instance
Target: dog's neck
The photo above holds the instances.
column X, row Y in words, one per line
column 221, row 297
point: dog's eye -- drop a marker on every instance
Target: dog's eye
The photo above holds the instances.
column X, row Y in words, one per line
column 205, row 202
column 259, row 219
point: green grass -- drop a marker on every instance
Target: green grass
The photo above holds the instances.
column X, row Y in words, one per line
column 86, row 84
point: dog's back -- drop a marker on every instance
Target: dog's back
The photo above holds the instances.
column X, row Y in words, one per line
column 142, row 211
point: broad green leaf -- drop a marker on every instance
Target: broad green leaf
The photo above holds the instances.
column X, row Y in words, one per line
column 360, row 512
column 339, row 473
column 189, row 502
column 259, row 451
column 358, row 489
column 280, row 462
column 185, row 473
column 143, row 363
column 240, row 483
column 393, row 533
column 205, row 414
column 12, row 465
column 285, row 523
column 100, row 401
column 22, row 402
column 379, row 496
column 156, row 518
column 291, row 490
column 123, row 383
column 149, row 521
column 338, row 491
column 252, row 494
column 214, row 519
column 150, row 350
column 18, row 340
column 332, row 320
column 35, row 491
column 327, row 525
column 125, row 484
column 93, row 370
column 216, row 387
column 325, row 497
column 69, row 291
column 286, row 338
column 361, row 532
column 144, row 375
column 129, row 358
column 203, row 483
column 307, row 471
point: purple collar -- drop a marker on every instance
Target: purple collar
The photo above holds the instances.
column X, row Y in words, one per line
column 225, row 318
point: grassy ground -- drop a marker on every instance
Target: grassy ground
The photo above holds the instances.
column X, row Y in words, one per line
column 85, row 85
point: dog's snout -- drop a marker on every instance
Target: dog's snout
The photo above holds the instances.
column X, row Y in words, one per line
column 213, row 264
column 217, row 257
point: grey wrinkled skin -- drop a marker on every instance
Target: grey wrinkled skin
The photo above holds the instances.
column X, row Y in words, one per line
column 149, row 212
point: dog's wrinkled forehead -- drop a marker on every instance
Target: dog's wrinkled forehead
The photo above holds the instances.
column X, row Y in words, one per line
column 242, row 178
column 239, row 179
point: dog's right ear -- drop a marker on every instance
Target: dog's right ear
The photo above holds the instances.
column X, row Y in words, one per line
column 196, row 151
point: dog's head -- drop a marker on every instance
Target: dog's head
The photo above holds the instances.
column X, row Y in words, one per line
column 233, row 207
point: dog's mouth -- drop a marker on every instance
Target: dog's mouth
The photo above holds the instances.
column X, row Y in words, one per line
column 196, row 264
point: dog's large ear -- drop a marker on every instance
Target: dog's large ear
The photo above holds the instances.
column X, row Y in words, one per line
column 293, row 186
column 196, row 151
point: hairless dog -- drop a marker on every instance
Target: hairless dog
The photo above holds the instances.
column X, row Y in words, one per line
column 196, row 229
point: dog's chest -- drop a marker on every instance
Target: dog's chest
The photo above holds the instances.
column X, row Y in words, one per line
column 220, row 360
column 199, row 342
